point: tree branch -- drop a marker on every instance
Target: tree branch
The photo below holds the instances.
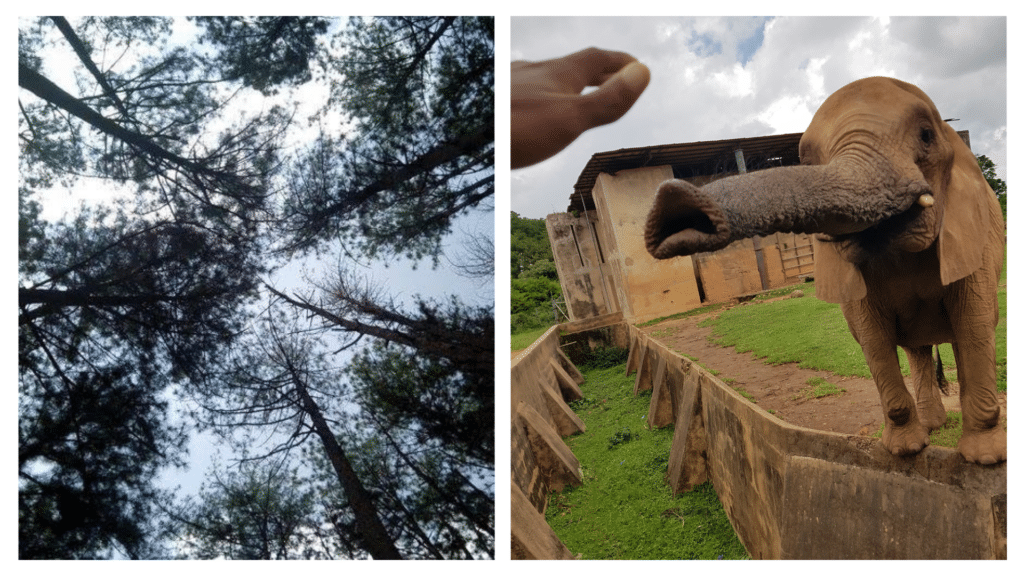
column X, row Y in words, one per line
column 42, row 87
column 83, row 54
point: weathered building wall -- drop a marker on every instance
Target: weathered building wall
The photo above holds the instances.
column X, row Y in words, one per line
column 729, row 272
column 604, row 267
column 582, row 272
column 645, row 287
column 734, row 271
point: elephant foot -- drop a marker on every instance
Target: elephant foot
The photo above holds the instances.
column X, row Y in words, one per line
column 931, row 413
column 905, row 440
column 985, row 446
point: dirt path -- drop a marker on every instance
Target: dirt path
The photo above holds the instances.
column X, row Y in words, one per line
column 781, row 388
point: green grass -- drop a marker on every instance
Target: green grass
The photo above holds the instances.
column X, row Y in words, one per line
column 815, row 335
column 745, row 394
column 950, row 432
column 803, row 330
column 819, row 388
column 523, row 340
column 779, row 292
column 686, row 314
column 624, row 509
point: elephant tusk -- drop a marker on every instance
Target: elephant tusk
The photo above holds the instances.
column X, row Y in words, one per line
column 926, row 200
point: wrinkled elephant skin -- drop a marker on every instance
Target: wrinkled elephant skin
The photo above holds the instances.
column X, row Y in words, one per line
column 909, row 240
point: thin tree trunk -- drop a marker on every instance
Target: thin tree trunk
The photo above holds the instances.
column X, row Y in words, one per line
column 83, row 54
column 375, row 537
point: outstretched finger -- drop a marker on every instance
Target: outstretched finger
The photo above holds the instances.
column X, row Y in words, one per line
column 616, row 95
column 592, row 67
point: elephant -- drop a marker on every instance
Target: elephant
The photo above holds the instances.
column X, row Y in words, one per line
column 908, row 239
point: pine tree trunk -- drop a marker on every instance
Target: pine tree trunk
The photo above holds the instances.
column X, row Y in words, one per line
column 375, row 538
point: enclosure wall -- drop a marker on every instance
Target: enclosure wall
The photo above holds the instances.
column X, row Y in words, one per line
column 796, row 493
column 790, row 492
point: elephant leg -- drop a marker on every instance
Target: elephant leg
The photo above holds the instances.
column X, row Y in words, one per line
column 930, row 410
column 973, row 309
column 903, row 435
column 984, row 439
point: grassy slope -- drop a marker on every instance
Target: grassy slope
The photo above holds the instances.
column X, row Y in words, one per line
column 624, row 509
column 814, row 334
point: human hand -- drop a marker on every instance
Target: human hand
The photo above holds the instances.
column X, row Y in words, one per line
column 548, row 111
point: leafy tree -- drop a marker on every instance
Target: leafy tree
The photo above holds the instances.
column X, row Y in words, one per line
column 541, row 269
column 420, row 94
column 281, row 378
column 118, row 303
column 257, row 512
column 406, row 389
column 427, row 386
column 154, row 293
column 434, row 510
column 529, row 293
column 529, row 243
column 998, row 185
column 90, row 443
column 534, row 276
column 430, row 428
column 264, row 52
column 151, row 119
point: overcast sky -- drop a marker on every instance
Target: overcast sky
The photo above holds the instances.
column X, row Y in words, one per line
column 738, row 77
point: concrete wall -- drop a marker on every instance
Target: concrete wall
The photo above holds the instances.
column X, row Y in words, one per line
column 646, row 288
column 795, row 493
column 587, row 286
column 544, row 380
column 790, row 492
column 729, row 272
column 735, row 271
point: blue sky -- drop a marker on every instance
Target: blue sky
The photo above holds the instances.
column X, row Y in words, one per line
column 734, row 77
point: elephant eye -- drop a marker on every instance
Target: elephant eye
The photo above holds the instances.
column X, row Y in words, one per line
column 927, row 136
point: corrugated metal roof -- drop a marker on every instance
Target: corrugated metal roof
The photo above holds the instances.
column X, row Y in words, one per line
column 687, row 160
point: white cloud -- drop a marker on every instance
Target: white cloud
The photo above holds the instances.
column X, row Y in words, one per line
column 785, row 113
column 735, row 82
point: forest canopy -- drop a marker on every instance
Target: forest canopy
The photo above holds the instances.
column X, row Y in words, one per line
column 169, row 169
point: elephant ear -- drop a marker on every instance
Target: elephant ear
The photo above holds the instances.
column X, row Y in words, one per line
column 836, row 279
column 965, row 220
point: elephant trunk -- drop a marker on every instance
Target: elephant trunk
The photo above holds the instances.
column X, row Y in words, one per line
column 826, row 199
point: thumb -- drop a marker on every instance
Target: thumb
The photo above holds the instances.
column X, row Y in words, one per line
column 616, row 95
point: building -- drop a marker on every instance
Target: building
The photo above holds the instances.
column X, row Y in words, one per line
column 598, row 243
